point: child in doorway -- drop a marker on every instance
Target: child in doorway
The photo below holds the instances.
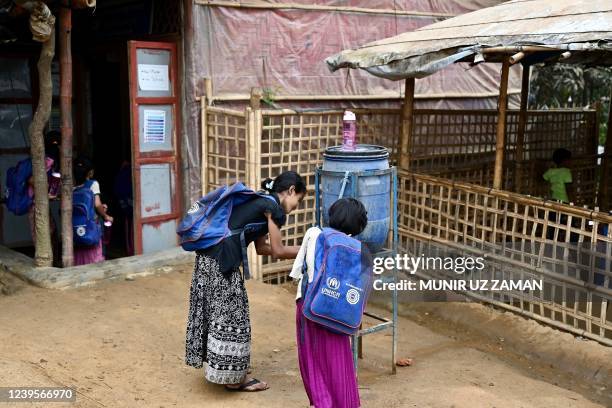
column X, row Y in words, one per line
column 83, row 176
column 325, row 358
column 560, row 175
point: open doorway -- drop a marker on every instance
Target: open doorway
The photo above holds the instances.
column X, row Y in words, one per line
column 109, row 146
column 108, row 114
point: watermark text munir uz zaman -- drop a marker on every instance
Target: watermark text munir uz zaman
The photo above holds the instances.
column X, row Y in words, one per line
column 458, row 265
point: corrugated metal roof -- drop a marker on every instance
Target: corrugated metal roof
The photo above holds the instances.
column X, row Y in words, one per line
column 584, row 27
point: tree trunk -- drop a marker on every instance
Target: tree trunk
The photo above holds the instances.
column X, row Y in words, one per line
column 44, row 252
column 65, row 16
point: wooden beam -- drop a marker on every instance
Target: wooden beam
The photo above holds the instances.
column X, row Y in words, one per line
column 407, row 124
column 537, row 48
column 254, row 129
column 204, row 147
column 254, row 4
column 255, row 98
column 229, row 97
column 522, row 124
column 65, row 57
column 498, row 175
column 208, row 90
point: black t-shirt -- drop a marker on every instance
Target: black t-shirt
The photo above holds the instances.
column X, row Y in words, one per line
column 229, row 251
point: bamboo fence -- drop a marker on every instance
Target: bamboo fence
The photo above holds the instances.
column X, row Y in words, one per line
column 440, row 211
column 568, row 247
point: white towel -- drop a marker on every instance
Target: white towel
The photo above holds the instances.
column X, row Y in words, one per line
column 306, row 253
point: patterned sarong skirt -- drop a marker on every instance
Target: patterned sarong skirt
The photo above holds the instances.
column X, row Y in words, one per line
column 218, row 326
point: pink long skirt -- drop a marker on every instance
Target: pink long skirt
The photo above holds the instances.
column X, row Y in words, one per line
column 85, row 256
column 326, row 365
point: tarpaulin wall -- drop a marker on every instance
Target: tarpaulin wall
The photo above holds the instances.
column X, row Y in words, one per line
column 283, row 52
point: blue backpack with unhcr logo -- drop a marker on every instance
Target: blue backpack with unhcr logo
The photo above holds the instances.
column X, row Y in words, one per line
column 85, row 226
column 207, row 221
column 337, row 296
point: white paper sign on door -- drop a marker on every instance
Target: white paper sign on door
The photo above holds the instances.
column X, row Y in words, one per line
column 153, row 77
column 154, row 126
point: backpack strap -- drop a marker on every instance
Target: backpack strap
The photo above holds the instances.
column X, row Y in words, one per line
column 304, row 289
column 243, row 245
column 249, row 228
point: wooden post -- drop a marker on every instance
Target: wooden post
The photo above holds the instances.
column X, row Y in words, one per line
column 65, row 57
column 606, row 200
column 42, row 26
column 205, row 101
column 208, row 90
column 407, row 124
column 253, row 154
column 520, row 137
column 498, row 175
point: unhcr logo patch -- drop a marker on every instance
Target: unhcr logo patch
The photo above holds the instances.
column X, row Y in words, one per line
column 333, row 283
column 194, row 208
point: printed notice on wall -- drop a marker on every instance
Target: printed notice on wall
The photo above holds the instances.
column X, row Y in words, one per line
column 154, row 126
column 153, row 77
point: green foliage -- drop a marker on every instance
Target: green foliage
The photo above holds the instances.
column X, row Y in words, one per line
column 559, row 86
column 269, row 96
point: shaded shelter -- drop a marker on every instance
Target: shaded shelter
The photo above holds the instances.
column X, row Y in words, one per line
column 566, row 246
column 526, row 31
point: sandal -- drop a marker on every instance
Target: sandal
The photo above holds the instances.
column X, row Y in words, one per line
column 244, row 386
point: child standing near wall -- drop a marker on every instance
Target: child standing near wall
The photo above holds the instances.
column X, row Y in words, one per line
column 325, row 357
column 83, row 177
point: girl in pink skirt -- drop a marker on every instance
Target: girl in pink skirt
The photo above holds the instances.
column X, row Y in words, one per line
column 83, row 173
column 325, row 358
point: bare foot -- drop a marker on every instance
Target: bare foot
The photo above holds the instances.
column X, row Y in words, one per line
column 248, row 385
column 404, row 362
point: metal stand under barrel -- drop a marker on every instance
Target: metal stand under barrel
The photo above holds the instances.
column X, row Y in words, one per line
column 390, row 251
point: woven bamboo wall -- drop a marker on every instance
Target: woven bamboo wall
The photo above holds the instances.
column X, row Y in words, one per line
column 292, row 141
column 457, row 145
column 522, row 238
column 460, row 145
column 225, row 134
column 437, row 216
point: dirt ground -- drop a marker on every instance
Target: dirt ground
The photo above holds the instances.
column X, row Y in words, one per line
column 121, row 344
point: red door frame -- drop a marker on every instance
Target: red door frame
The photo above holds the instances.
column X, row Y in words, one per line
column 155, row 157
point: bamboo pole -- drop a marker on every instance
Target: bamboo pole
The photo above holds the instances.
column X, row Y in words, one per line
column 522, row 124
column 254, row 4
column 254, row 125
column 204, row 148
column 230, row 97
column 208, row 90
column 65, row 43
column 537, row 48
column 250, row 174
column 407, row 123
column 498, row 175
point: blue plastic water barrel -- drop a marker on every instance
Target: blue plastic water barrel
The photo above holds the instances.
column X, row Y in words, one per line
column 372, row 191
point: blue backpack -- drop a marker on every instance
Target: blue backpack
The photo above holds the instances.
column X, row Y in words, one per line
column 207, row 221
column 85, row 226
column 18, row 201
column 338, row 294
